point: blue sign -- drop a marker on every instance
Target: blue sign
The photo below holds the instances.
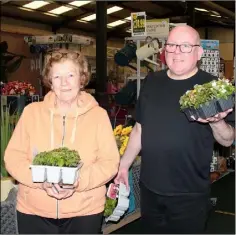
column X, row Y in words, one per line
column 210, row 44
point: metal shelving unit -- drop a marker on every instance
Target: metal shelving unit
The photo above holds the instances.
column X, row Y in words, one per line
column 138, row 40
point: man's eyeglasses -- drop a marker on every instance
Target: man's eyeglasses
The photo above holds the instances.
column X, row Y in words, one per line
column 59, row 55
column 184, row 48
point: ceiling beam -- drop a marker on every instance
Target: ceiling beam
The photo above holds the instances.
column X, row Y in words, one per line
column 85, row 13
column 220, row 9
column 4, row 1
column 34, row 10
column 120, row 28
column 66, row 22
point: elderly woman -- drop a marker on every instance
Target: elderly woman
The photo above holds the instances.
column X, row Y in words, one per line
column 71, row 118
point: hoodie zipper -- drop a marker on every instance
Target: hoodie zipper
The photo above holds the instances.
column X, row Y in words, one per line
column 64, row 130
column 62, row 144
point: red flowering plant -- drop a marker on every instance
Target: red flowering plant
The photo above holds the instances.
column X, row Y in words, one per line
column 17, row 88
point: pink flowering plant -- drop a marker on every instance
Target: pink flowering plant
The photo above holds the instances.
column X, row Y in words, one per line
column 17, row 88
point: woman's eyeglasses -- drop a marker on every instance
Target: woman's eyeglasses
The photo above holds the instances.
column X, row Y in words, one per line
column 59, row 55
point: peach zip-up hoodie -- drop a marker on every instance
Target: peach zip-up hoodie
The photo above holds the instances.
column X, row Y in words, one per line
column 87, row 130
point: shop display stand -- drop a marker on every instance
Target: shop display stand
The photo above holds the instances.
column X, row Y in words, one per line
column 39, row 45
column 138, row 40
column 128, row 218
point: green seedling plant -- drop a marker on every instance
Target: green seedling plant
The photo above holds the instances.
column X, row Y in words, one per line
column 61, row 157
column 203, row 94
column 8, row 123
column 109, row 206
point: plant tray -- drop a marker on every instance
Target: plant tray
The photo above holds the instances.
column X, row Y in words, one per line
column 54, row 174
column 122, row 204
column 225, row 104
column 189, row 112
column 207, row 110
column 204, row 111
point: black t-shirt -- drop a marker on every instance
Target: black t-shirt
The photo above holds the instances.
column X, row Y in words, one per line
column 176, row 153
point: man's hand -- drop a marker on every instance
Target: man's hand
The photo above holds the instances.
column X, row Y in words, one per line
column 223, row 133
column 122, row 177
column 216, row 118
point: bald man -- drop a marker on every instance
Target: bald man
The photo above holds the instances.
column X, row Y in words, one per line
column 176, row 154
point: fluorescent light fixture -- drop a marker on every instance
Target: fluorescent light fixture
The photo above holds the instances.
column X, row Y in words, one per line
column 89, row 18
column 79, row 3
column 35, row 4
column 201, row 9
column 215, row 13
column 26, row 9
column 116, row 23
column 109, row 11
column 82, row 21
column 216, row 16
column 128, row 18
column 50, row 14
column 60, row 10
column 113, row 9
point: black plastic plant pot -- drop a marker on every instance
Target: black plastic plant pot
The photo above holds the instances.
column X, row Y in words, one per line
column 189, row 112
column 225, row 104
column 207, row 110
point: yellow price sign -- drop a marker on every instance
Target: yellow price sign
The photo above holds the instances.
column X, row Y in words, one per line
column 139, row 23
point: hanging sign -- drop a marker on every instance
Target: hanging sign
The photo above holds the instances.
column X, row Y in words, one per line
column 158, row 28
column 138, row 24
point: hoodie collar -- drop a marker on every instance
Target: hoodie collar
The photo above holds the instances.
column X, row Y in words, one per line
column 85, row 102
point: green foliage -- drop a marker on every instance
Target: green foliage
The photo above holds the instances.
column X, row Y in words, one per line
column 8, row 123
column 202, row 94
column 110, row 206
column 62, row 157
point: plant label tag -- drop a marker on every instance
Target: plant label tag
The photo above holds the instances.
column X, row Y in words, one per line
column 112, row 191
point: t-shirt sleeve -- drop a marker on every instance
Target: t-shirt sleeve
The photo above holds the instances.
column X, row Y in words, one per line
column 141, row 100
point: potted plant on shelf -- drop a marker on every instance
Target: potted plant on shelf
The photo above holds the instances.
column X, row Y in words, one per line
column 55, row 166
column 207, row 100
column 8, row 123
column 110, row 206
column 118, row 202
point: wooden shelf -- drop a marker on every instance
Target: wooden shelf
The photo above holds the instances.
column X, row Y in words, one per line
column 109, row 228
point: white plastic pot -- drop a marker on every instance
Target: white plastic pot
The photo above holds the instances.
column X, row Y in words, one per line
column 53, row 174
column 38, row 173
column 112, row 218
column 118, row 212
column 122, row 205
column 69, row 175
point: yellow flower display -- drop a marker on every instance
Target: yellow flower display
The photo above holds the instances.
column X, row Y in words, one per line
column 122, row 137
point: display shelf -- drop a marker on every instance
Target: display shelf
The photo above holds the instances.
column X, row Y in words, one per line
column 139, row 40
column 134, row 78
column 224, row 174
column 109, row 228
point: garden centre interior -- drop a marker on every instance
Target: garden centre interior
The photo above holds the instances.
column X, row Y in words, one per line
column 114, row 31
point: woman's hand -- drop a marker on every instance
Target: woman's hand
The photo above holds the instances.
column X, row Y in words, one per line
column 64, row 191
column 50, row 190
column 59, row 191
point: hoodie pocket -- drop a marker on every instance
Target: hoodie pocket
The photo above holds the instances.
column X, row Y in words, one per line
column 78, row 202
column 38, row 201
